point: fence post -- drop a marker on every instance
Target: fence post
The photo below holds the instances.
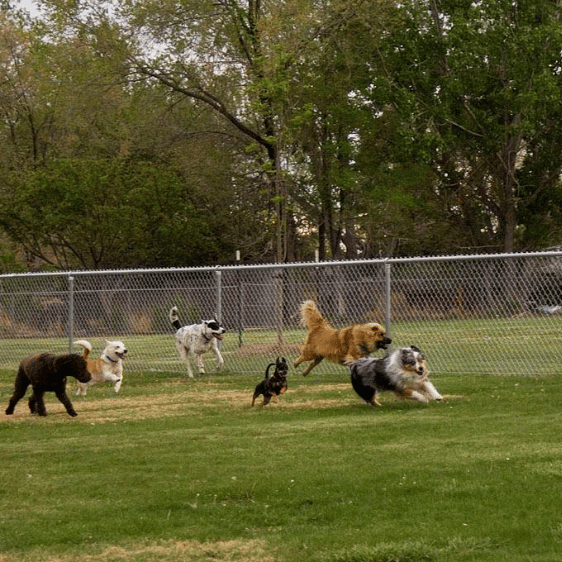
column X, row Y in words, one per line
column 239, row 300
column 279, row 278
column 218, row 275
column 387, row 297
column 218, row 312
column 70, row 323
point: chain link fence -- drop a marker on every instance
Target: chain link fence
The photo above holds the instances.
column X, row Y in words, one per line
column 498, row 314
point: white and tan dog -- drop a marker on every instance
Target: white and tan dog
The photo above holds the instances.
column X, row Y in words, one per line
column 197, row 339
column 108, row 368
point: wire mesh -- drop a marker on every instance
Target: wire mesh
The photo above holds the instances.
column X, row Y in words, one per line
column 497, row 315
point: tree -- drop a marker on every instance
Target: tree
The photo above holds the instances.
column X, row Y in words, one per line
column 475, row 84
column 240, row 59
column 67, row 106
column 105, row 214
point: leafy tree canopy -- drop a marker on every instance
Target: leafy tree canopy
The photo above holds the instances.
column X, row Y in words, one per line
column 105, row 214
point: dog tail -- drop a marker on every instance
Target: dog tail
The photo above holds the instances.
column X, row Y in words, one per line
column 174, row 318
column 311, row 317
column 87, row 347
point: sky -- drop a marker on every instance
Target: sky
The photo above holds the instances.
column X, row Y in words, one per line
column 28, row 5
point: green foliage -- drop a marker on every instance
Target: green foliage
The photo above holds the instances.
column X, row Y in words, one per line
column 104, row 214
column 474, row 84
column 374, row 114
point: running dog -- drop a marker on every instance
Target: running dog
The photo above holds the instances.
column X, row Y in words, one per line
column 404, row 372
column 341, row 346
column 46, row 372
column 273, row 385
column 197, row 339
column 108, row 368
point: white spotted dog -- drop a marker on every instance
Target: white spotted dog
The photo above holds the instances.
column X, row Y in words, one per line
column 197, row 339
column 108, row 368
column 404, row 372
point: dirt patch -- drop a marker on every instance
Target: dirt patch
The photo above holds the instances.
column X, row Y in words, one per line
column 194, row 551
column 194, row 399
column 100, row 411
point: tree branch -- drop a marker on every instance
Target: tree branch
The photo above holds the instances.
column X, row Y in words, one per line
column 206, row 98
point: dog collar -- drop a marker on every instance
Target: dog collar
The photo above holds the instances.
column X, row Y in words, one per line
column 112, row 360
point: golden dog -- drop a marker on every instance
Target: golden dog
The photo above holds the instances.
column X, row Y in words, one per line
column 341, row 346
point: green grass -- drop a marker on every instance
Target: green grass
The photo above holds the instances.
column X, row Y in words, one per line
column 492, row 346
column 172, row 469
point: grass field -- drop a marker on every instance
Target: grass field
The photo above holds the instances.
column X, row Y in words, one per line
column 493, row 346
column 178, row 470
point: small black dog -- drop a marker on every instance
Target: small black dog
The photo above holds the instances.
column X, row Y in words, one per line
column 274, row 384
column 46, row 372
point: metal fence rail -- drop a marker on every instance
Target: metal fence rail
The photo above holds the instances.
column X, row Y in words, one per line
column 499, row 314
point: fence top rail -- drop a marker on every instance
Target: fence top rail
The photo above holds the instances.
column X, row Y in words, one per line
column 293, row 265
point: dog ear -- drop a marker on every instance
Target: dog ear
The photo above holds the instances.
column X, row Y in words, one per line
column 413, row 347
column 407, row 356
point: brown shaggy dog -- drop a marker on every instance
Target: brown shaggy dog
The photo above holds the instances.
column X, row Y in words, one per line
column 46, row 372
column 341, row 346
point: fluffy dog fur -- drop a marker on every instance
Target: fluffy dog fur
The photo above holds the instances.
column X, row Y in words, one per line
column 197, row 339
column 404, row 372
column 108, row 368
column 46, row 372
column 273, row 385
column 341, row 346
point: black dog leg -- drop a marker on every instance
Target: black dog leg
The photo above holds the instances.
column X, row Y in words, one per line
column 17, row 396
column 37, row 402
column 13, row 401
column 20, row 388
column 63, row 397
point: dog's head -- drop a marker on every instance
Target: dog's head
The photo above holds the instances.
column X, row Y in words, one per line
column 371, row 336
column 115, row 350
column 73, row 366
column 213, row 328
column 278, row 380
column 281, row 366
column 281, row 369
column 412, row 359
